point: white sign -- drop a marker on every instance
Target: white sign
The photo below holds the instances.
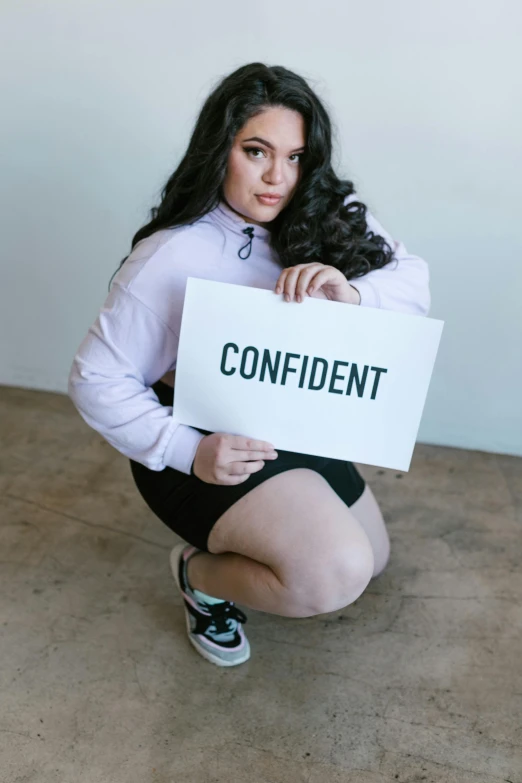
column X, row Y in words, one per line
column 317, row 377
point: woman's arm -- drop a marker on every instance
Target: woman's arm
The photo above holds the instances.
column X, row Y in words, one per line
column 126, row 350
column 401, row 285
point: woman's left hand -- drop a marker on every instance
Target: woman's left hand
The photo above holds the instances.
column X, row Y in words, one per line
column 315, row 278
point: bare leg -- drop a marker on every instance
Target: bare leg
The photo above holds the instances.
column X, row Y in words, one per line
column 366, row 510
column 289, row 547
column 238, row 578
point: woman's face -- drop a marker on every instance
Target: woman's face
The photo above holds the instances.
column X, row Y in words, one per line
column 270, row 163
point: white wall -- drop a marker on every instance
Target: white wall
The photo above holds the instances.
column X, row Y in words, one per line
column 100, row 99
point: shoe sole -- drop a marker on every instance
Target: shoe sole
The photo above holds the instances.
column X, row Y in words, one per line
column 174, row 561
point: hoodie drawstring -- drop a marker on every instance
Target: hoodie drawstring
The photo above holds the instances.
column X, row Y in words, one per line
column 250, row 232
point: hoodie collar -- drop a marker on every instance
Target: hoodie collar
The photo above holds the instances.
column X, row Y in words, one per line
column 230, row 220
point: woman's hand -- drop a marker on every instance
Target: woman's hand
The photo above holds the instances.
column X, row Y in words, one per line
column 223, row 459
column 315, row 278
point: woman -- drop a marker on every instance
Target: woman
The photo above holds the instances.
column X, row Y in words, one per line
column 254, row 201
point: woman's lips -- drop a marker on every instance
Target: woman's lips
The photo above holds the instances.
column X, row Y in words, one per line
column 270, row 200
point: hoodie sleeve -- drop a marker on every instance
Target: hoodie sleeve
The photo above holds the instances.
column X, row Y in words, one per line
column 402, row 285
column 125, row 351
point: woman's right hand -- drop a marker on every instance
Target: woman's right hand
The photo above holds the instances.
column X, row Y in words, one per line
column 223, row 459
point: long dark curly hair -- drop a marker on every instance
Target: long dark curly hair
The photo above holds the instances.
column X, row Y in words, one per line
column 315, row 225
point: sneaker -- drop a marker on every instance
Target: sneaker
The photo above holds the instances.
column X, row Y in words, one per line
column 213, row 629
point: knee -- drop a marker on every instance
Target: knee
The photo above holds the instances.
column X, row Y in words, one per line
column 345, row 577
column 351, row 574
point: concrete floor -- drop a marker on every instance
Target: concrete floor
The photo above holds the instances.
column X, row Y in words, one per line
column 419, row 680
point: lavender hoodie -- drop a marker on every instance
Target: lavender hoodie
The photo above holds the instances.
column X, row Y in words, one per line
column 133, row 341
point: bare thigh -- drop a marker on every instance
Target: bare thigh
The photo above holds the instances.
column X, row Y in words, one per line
column 296, row 524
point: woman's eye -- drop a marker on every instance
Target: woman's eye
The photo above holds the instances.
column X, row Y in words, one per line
column 249, row 150
column 252, row 149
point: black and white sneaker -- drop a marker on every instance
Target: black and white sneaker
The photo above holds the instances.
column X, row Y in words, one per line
column 213, row 629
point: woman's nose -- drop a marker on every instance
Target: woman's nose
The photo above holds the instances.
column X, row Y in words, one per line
column 274, row 173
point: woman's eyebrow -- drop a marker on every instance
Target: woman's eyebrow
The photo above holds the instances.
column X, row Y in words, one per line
column 267, row 143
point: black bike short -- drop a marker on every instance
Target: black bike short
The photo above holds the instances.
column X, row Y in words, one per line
column 190, row 507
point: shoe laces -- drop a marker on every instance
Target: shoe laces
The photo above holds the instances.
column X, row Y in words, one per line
column 224, row 618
